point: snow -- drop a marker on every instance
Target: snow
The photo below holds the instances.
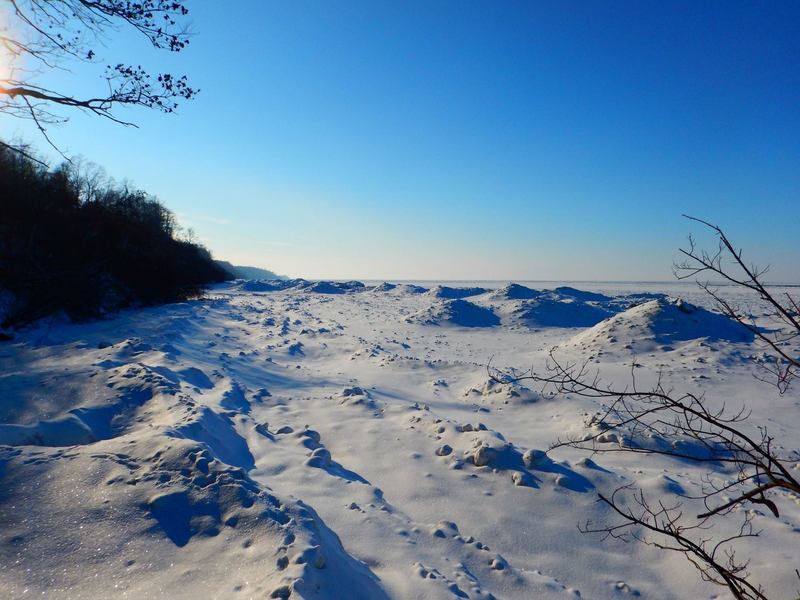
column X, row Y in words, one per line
column 456, row 312
column 334, row 440
column 661, row 324
column 453, row 293
column 514, row 291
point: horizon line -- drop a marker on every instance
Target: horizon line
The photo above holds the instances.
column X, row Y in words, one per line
column 643, row 281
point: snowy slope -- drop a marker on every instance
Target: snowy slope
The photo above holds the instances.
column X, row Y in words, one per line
column 327, row 440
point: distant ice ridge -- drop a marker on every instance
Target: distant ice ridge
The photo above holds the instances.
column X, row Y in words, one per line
column 477, row 306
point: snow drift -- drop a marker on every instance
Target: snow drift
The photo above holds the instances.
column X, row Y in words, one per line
column 456, row 312
column 661, row 322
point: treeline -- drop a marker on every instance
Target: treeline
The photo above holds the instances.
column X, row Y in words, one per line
column 73, row 241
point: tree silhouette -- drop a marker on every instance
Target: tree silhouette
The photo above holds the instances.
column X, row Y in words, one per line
column 72, row 241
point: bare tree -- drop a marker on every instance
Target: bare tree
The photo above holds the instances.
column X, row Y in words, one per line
column 42, row 35
column 683, row 425
column 727, row 263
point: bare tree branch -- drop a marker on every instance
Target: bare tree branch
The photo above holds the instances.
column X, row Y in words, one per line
column 685, row 426
column 55, row 33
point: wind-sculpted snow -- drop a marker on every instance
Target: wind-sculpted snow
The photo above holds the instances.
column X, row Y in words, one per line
column 581, row 295
column 302, row 285
column 455, row 293
column 297, row 439
column 334, row 287
column 398, row 288
column 456, row 312
column 562, row 307
column 130, row 388
column 550, row 311
column 494, row 392
column 514, row 291
column 662, row 323
column 384, row 287
column 263, row 286
column 271, row 285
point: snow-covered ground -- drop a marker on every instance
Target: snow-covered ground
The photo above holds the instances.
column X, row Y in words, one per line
column 345, row 441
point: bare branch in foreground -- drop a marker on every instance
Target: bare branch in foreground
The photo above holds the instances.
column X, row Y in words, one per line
column 744, row 465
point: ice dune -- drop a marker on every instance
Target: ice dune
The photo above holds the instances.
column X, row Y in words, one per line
column 661, row 325
column 514, row 291
column 456, row 312
column 454, row 293
column 329, row 440
column 550, row 311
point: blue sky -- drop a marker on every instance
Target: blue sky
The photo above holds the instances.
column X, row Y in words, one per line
column 469, row 140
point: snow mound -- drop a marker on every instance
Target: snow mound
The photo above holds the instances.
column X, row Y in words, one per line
column 552, row 311
column 629, row 435
column 154, row 486
column 582, row 295
column 62, row 431
column 514, row 291
column 134, row 386
column 257, row 285
column 453, row 293
column 409, row 288
column 639, row 298
column 324, row 287
column 355, row 396
column 456, row 312
column 167, row 510
column 468, row 445
column 384, row 287
column 271, row 285
column 662, row 322
column 497, row 392
column 399, row 289
column 334, row 287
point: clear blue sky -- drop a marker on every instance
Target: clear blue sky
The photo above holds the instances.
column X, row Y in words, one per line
column 470, row 140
